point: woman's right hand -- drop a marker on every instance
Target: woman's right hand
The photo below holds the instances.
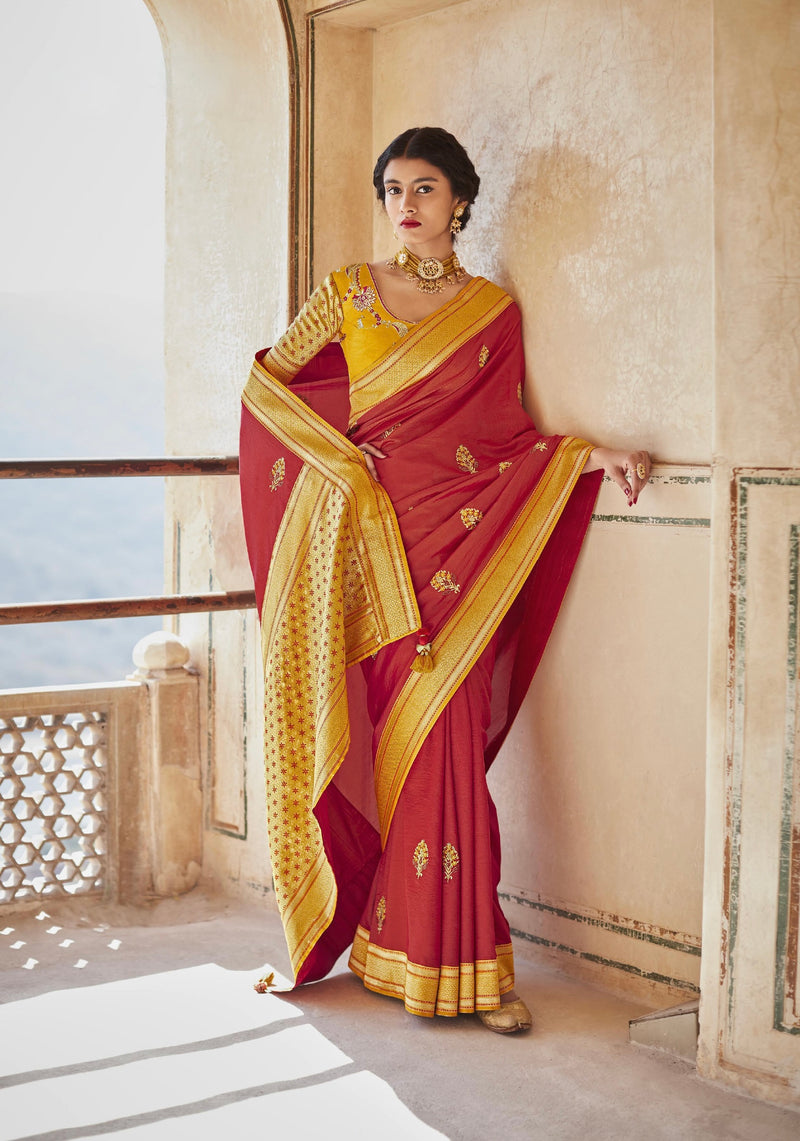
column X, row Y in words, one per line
column 368, row 451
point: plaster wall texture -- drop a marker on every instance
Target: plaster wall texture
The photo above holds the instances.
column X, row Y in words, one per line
column 226, row 296
column 342, row 142
column 590, row 125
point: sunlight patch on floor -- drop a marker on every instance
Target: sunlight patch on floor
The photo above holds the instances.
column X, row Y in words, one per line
column 336, row 1109
column 174, row 1008
column 272, row 1080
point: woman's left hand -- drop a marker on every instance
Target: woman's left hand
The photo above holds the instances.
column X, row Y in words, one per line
column 630, row 470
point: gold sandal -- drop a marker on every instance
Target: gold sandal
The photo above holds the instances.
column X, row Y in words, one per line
column 510, row 1018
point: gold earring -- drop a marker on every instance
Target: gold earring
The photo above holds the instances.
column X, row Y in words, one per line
column 455, row 221
column 396, row 235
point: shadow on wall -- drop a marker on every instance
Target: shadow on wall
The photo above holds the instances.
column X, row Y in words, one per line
column 555, row 209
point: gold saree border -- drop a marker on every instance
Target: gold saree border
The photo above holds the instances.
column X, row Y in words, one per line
column 428, row 345
column 444, row 990
column 377, row 545
column 339, row 587
column 469, row 629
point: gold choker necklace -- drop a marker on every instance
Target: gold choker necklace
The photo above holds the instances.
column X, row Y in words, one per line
column 428, row 274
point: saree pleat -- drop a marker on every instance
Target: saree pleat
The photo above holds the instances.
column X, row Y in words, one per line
column 382, row 830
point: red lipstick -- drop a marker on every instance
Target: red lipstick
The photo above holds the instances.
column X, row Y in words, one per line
column 410, row 224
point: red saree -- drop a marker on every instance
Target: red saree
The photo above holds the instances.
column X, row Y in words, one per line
column 382, row 831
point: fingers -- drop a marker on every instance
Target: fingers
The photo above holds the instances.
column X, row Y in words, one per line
column 371, row 450
column 637, row 474
column 368, row 451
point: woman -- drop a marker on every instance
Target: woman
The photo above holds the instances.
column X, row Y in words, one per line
column 417, row 534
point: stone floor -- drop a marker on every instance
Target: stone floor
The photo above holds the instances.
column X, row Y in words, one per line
column 144, row 1025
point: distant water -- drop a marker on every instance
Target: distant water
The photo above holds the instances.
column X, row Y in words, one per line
column 80, row 376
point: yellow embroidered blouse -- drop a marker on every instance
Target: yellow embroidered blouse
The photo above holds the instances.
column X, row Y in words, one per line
column 347, row 307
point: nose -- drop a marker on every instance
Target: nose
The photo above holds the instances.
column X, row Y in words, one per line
column 407, row 202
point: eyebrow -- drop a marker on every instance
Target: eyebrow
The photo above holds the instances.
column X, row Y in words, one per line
column 388, row 181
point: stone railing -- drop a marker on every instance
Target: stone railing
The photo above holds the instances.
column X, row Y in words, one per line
column 100, row 789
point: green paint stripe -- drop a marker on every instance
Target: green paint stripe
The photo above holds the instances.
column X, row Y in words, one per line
column 683, row 479
column 739, row 614
column 770, row 480
column 787, row 793
column 653, row 520
column 628, row 968
column 606, row 925
column 744, row 482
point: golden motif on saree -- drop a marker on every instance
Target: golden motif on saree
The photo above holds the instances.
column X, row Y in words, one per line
column 540, row 447
column 380, row 913
column 385, row 435
column 465, row 459
column 504, row 465
column 519, row 392
column 420, row 858
column 278, row 474
column 471, row 624
column 444, row 582
column 450, row 861
column 471, row 517
column 483, row 356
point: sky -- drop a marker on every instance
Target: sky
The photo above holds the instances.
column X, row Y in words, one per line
column 82, row 123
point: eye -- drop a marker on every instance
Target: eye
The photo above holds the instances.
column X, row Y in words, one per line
column 392, row 190
column 425, row 189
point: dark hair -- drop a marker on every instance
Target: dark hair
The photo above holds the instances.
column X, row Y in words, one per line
column 440, row 149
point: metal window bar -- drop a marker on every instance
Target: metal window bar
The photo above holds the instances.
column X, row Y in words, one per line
column 87, row 609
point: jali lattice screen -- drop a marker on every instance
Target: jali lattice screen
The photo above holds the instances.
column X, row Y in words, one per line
column 53, row 785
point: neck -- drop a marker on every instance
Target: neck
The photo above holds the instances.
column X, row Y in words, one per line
column 441, row 248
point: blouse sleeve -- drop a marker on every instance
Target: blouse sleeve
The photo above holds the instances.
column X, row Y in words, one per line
column 316, row 325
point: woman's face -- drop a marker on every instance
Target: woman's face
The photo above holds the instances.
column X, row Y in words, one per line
column 419, row 201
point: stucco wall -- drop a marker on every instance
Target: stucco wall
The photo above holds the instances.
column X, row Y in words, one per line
column 228, row 186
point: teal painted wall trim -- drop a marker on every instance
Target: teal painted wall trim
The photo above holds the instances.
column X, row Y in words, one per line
column 628, row 968
column 674, row 941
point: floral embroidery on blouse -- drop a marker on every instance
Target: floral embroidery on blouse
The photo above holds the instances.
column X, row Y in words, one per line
column 471, row 517
column 465, row 459
column 483, row 356
column 503, row 466
column 450, row 860
column 443, row 581
column 278, row 474
column 541, row 446
column 363, row 298
column 380, row 913
column 420, row 859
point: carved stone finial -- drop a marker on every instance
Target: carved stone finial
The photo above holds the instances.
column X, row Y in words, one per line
column 160, row 650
